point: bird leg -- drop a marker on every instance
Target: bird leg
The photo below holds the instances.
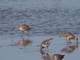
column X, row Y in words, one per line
column 77, row 42
column 47, row 48
column 68, row 41
column 22, row 34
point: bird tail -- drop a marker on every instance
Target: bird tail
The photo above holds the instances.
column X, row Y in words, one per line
column 62, row 56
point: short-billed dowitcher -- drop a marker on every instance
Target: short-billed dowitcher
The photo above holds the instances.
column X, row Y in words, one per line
column 22, row 27
column 46, row 43
column 57, row 57
column 69, row 36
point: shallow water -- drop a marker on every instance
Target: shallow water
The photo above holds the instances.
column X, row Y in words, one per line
column 11, row 52
column 47, row 18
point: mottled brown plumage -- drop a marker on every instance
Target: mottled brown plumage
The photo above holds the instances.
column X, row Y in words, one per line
column 69, row 36
column 57, row 57
column 23, row 27
column 46, row 43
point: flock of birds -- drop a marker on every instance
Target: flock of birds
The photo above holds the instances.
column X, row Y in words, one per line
column 45, row 44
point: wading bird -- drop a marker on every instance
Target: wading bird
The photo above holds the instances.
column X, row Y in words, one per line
column 69, row 36
column 46, row 43
column 22, row 27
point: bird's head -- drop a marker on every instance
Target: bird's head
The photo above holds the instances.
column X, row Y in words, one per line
column 51, row 39
column 61, row 33
column 17, row 26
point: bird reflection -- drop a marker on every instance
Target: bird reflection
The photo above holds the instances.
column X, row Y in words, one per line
column 45, row 55
column 57, row 57
column 23, row 42
column 70, row 48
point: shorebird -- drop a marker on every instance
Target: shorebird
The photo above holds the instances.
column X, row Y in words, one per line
column 57, row 57
column 46, row 43
column 22, row 27
column 69, row 36
column 69, row 49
